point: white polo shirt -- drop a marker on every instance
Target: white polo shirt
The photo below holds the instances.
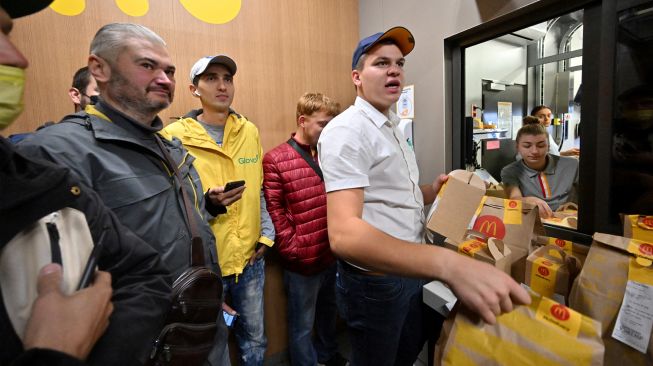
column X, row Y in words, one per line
column 362, row 148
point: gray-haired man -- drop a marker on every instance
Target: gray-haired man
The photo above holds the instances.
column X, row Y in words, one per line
column 113, row 147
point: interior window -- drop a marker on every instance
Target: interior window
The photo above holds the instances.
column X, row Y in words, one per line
column 506, row 77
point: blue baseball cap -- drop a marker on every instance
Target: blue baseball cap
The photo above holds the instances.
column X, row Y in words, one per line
column 400, row 35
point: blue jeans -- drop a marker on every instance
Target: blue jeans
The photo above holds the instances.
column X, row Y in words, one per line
column 387, row 319
column 219, row 355
column 247, row 299
column 311, row 300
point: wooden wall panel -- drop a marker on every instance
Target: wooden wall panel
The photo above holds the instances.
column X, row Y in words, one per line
column 283, row 48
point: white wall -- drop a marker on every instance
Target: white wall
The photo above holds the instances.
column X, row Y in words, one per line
column 430, row 21
column 492, row 60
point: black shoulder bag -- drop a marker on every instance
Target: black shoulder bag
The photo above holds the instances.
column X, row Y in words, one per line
column 190, row 326
column 307, row 157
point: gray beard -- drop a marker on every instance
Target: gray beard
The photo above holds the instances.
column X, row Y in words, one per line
column 140, row 107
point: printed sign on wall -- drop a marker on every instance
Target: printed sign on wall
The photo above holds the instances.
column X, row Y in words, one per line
column 406, row 103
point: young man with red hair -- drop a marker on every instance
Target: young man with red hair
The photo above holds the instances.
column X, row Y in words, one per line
column 296, row 200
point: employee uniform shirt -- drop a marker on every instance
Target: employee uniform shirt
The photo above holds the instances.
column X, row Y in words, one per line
column 554, row 149
column 554, row 184
column 362, row 148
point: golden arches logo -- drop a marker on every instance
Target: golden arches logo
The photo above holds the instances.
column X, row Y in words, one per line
column 646, row 249
column 648, row 221
column 543, row 271
column 491, row 226
column 471, row 247
column 208, row 11
column 560, row 312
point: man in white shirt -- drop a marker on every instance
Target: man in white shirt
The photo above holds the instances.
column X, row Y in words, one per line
column 375, row 213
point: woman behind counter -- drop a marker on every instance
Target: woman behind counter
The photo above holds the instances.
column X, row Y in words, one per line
column 540, row 178
column 544, row 115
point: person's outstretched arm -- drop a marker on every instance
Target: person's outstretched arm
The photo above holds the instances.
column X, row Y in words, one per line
column 479, row 286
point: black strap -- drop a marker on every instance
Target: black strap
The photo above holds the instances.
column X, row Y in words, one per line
column 307, row 157
column 197, row 245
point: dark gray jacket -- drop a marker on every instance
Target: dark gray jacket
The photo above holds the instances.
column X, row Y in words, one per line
column 32, row 188
column 121, row 161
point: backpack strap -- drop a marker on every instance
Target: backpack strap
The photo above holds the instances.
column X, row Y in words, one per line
column 197, row 244
column 307, row 157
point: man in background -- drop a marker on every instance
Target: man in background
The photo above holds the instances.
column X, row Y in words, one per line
column 49, row 215
column 83, row 90
column 296, row 200
column 227, row 148
column 114, row 147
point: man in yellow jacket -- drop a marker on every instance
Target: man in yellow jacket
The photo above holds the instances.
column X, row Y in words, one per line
column 227, row 148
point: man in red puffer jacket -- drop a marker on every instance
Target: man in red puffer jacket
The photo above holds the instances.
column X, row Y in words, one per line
column 296, row 200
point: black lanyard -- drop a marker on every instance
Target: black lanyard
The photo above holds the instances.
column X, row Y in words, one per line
column 307, row 157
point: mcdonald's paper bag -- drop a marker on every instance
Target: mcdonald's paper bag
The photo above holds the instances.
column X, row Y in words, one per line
column 515, row 222
column 579, row 251
column 542, row 333
column 550, row 271
column 455, row 204
column 638, row 227
column 495, row 190
column 461, row 206
column 615, row 287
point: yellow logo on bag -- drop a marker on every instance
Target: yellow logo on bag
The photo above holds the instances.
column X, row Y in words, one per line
column 559, row 315
column 560, row 312
column 565, row 245
column 470, row 247
column 641, row 226
column 646, row 222
column 512, row 212
column 643, row 251
column 639, row 273
column 543, row 276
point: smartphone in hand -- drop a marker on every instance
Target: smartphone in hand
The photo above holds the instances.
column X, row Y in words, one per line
column 91, row 267
column 233, row 185
column 229, row 319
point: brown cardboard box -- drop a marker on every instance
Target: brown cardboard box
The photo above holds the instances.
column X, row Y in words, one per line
column 462, row 206
column 494, row 252
column 456, row 204
column 638, row 227
column 600, row 288
column 550, row 271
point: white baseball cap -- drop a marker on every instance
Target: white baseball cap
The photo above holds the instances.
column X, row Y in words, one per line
column 201, row 65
